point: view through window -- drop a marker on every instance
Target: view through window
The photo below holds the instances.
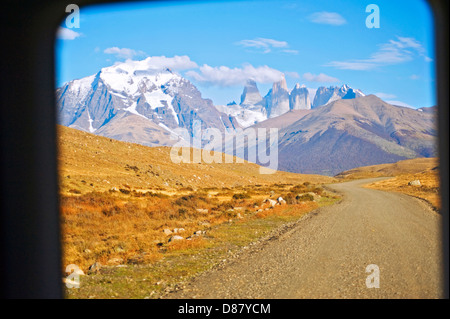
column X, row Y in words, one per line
column 281, row 149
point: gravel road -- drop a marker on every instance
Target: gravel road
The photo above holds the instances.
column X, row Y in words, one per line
column 325, row 254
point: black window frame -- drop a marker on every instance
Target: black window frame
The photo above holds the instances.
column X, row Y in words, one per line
column 30, row 251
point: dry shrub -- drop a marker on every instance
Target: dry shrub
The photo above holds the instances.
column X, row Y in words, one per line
column 292, row 210
column 195, row 242
column 241, row 195
column 100, row 226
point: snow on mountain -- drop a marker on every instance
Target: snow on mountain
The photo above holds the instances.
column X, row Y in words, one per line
column 245, row 117
column 326, row 95
column 134, row 101
column 159, row 96
column 279, row 100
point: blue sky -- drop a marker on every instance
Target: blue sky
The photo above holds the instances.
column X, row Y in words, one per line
column 218, row 45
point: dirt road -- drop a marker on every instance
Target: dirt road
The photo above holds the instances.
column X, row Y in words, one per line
column 326, row 253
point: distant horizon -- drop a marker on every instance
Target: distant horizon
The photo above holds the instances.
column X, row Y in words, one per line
column 262, row 40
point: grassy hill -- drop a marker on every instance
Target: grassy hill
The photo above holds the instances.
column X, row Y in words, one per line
column 411, row 166
column 88, row 162
column 122, row 205
column 425, row 170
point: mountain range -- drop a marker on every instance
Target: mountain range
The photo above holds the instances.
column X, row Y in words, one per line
column 340, row 129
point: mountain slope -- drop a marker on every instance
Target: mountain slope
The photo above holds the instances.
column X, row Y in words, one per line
column 136, row 88
column 357, row 132
column 89, row 162
column 326, row 95
column 425, row 170
column 411, row 166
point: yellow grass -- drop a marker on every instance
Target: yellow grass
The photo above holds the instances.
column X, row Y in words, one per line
column 117, row 198
column 411, row 166
column 428, row 190
column 424, row 169
column 89, row 163
column 101, row 227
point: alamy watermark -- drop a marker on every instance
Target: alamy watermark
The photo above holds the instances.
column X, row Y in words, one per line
column 73, row 19
column 73, row 279
column 373, row 280
column 210, row 145
column 373, row 19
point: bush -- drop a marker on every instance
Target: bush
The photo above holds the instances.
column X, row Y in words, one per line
column 241, row 196
column 305, row 198
column 111, row 211
column 290, row 199
column 318, row 190
column 191, row 201
column 224, row 206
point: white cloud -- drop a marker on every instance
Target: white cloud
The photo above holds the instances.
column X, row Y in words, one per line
column 266, row 45
column 324, row 17
column 289, row 51
column 352, row 65
column 292, row 74
column 124, row 53
column 414, row 77
column 177, row 63
column 319, row 78
column 393, row 52
column 383, row 96
column 67, row 34
column 400, row 103
column 224, row 76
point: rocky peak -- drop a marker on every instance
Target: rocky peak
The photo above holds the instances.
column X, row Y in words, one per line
column 277, row 100
column 280, row 86
column 326, row 95
column 250, row 95
column 299, row 98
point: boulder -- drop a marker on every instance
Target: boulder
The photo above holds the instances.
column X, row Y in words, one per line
column 167, row 232
column 95, row 267
column 270, row 201
column 415, row 182
column 175, row 238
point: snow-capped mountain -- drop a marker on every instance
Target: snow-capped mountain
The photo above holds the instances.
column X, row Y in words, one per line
column 299, row 98
column 162, row 99
column 326, row 95
column 134, row 101
column 279, row 100
column 250, row 95
column 252, row 108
